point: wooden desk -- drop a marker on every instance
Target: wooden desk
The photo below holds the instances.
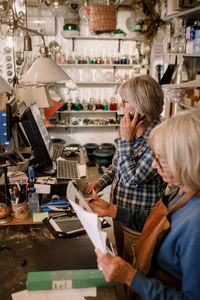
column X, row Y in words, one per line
column 16, row 243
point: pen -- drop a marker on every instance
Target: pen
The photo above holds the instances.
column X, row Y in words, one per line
column 91, row 200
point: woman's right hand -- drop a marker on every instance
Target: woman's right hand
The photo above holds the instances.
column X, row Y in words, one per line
column 90, row 186
column 101, row 207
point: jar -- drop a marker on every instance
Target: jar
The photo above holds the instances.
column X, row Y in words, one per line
column 92, row 104
column 69, row 104
column 113, row 104
column 98, row 104
column 84, row 104
column 77, row 105
column 81, row 60
column 124, row 60
column 94, row 60
column 99, row 60
column 105, row 105
column 87, row 60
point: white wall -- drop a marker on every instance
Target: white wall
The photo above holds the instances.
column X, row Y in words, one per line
column 125, row 20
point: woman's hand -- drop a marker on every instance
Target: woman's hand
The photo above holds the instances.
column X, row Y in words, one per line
column 90, row 186
column 114, row 268
column 101, row 207
column 131, row 129
column 128, row 128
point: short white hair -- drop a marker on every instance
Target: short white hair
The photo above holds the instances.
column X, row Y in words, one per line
column 177, row 139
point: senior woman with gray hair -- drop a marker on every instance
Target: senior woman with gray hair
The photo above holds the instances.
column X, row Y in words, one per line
column 134, row 182
column 166, row 256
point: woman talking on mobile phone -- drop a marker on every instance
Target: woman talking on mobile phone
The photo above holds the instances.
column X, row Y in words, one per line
column 135, row 184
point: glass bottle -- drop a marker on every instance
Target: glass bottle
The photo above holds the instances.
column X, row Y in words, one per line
column 77, row 105
column 98, row 104
column 84, row 104
column 92, row 104
column 105, row 105
column 113, row 104
column 69, row 104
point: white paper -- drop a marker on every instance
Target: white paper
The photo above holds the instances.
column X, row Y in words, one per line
column 88, row 219
column 82, row 170
column 75, row 294
column 74, row 195
column 42, row 188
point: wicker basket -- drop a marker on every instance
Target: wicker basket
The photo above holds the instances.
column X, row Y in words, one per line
column 102, row 18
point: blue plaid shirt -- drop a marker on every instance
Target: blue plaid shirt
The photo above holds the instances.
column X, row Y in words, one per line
column 134, row 182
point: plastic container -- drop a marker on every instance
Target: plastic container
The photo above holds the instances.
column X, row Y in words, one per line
column 33, row 201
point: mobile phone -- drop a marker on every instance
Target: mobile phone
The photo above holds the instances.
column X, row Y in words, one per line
column 140, row 117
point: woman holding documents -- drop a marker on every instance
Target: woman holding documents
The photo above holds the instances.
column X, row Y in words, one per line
column 166, row 262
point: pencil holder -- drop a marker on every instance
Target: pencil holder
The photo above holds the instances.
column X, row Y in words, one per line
column 20, row 210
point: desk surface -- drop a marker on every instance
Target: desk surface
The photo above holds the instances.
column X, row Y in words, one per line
column 15, row 250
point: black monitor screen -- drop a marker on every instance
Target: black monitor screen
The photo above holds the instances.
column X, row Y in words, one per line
column 37, row 134
column 11, row 113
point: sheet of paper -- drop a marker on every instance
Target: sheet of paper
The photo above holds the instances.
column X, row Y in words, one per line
column 75, row 294
column 82, row 170
column 74, row 195
column 42, row 188
column 88, row 219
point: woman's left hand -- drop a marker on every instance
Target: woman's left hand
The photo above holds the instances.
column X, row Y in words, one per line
column 114, row 268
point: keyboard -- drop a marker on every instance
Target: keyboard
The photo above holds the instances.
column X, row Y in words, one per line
column 57, row 151
column 67, row 169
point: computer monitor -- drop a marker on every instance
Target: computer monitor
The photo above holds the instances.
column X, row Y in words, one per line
column 37, row 135
column 11, row 115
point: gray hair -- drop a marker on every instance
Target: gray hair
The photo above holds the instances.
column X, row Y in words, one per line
column 145, row 94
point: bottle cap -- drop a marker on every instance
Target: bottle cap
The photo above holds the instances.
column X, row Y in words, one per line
column 32, row 189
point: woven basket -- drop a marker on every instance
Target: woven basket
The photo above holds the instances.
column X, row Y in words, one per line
column 102, row 18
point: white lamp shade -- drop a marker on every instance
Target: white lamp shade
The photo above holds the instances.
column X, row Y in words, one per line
column 44, row 70
column 34, row 94
column 4, row 86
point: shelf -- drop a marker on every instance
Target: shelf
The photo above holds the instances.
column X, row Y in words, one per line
column 82, row 83
column 100, row 65
column 195, row 11
column 87, row 111
column 186, row 54
column 83, row 126
column 191, row 55
column 185, row 105
column 139, row 38
column 111, row 38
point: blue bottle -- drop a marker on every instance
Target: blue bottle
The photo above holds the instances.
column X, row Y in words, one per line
column 33, row 201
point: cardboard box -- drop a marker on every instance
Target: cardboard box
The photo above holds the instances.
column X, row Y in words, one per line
column 189, row 101
column 197, row 104
column 197, row 92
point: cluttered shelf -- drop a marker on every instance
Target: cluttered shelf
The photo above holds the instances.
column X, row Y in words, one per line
column 184, row 13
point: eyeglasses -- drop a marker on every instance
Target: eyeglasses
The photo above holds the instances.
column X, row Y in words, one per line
column 158, row 162
column 161, row 162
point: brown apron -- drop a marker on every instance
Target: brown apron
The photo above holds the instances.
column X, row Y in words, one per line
column 156, row 227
